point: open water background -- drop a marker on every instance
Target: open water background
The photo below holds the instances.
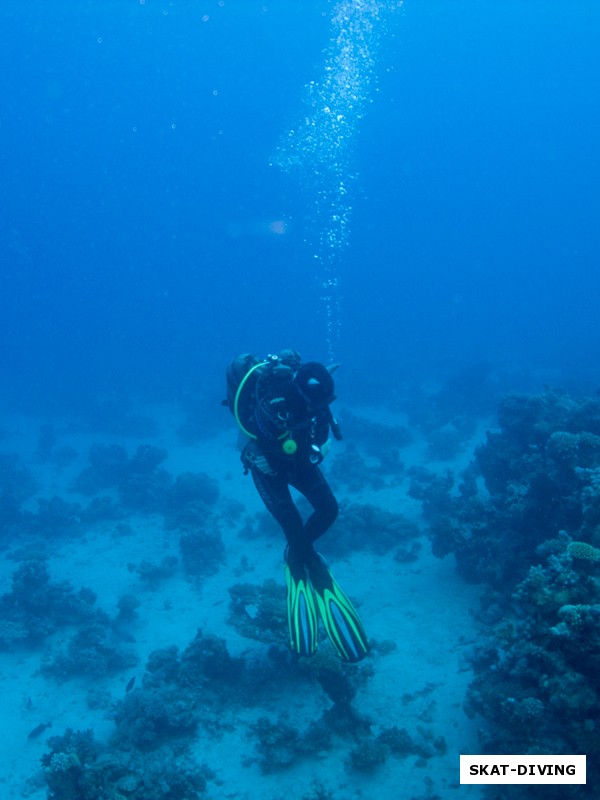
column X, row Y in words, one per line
column 141, row 242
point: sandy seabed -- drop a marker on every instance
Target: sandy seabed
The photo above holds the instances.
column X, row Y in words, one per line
column 423, row 606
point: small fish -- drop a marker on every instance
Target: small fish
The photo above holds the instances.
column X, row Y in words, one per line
column 38, row 729
column 130, row 684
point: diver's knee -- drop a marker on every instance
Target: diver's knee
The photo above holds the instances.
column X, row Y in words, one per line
column 331, row 511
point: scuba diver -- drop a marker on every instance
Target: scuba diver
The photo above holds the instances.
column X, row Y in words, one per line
column 282, row 407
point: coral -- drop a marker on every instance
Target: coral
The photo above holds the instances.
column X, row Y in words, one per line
column 318, row 792
column 526, row 522
column 316, row 739
column 278, row 744
column 145, row 490
column 207, row 660
column 398, row 741
column 36, row 606
column 78, row 768
column 536, row 679
column 538, row 592
column 179, row 692
column 433, row 490
column 56, row 517
column 65, row 766
column 193, row 487
column 141, row 482
column 367, row 756
column 583, row 552
column 190, row 500
column 12, row 633
column 167, row 775
column 154, row 574
column 146, row 459
column 128, row 605
column 374, row 436
column 446, row 417
column 90, row 652
column 146, row 718
column 259, row 612
column 339, row 681
column 108, row 467
column 345, row 721
column 81, row 744
column 101, row 509
column 337, row 686
column 352, row 470
column 189, row 517
column 162, row 666
column 554, row 583
column 202, row 551
column 366, row 526
column 231, row 510
column 577, row 636
column 445, row 442
column 260, row 524
column 390, row 464
column 538, row 470
column 527, row 711
column 407, row 552
column 30, row 584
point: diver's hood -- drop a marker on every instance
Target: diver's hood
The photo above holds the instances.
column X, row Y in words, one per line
column 315, row 384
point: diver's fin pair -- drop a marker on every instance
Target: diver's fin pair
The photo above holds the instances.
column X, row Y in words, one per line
column 317, row 594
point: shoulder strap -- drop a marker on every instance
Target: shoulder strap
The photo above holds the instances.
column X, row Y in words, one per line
column 238, row 395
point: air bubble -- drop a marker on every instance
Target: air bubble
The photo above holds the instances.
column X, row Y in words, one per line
column 321, row 149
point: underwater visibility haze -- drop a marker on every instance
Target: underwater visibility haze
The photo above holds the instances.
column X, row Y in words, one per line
column 406, row 187
column 170, row 174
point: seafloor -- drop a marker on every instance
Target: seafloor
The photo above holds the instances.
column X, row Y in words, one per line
column 142, row 645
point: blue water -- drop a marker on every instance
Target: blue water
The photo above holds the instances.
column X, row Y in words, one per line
column 408, row 188
column 138, row 187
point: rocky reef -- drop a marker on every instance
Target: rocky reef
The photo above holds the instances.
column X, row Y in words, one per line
column 524, row 520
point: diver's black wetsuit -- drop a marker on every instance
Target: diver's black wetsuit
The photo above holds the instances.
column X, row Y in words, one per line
column 308, row 479
column 284, row 416
column 282, row 406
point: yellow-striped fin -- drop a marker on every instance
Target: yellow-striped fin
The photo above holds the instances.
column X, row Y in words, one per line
column 302, row 616
column 340, row 619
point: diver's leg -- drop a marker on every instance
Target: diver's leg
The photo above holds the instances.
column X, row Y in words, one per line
column 302, row 616
column 340, row 620
column 275, row 494
column 312, row 484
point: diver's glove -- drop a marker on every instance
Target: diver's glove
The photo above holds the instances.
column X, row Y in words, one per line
column 254, row 458
column 261, row 463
